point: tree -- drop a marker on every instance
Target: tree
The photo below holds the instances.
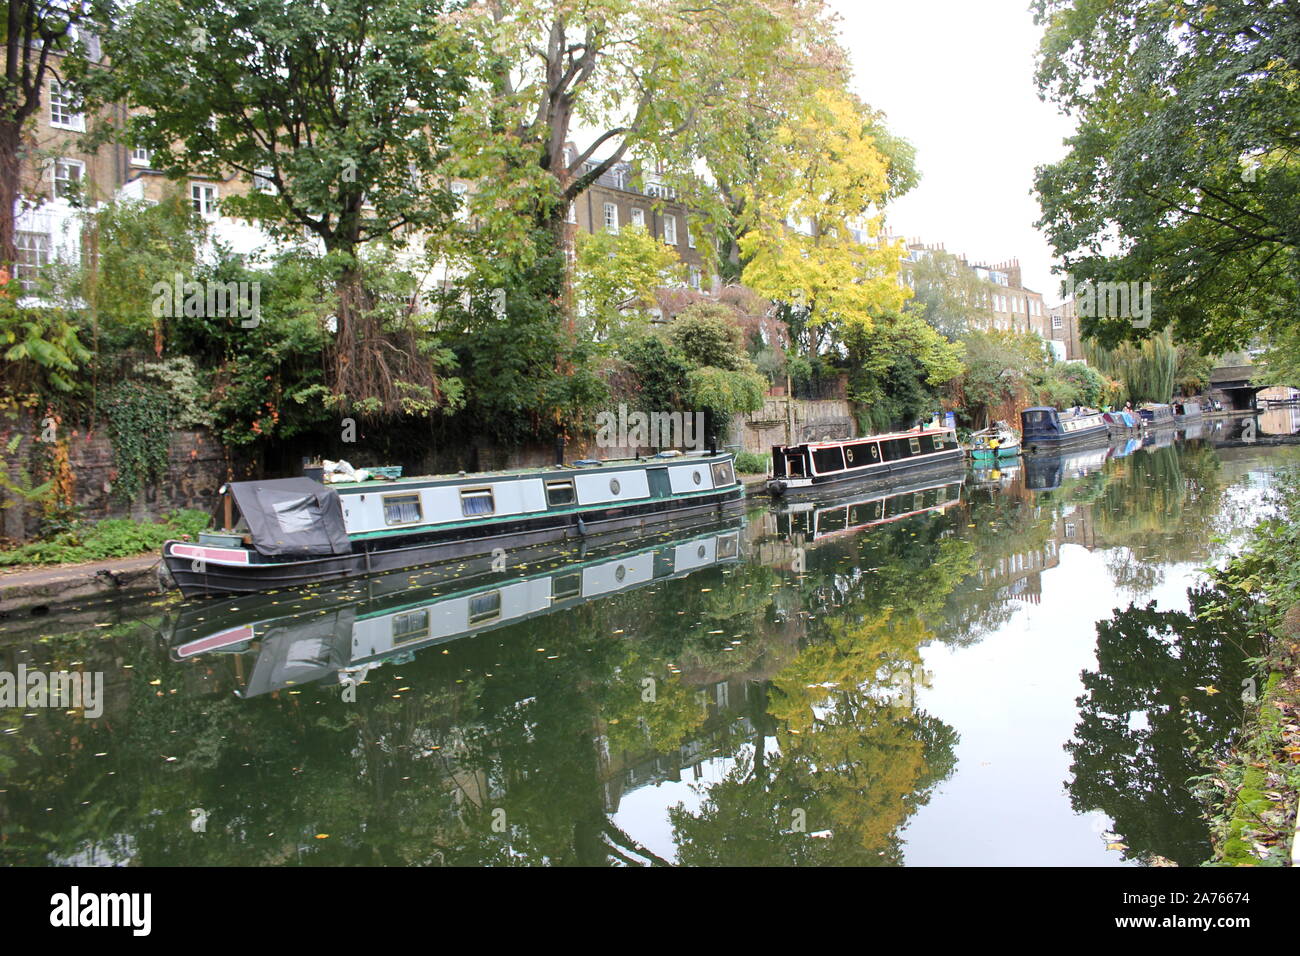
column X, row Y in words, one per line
column 896, row 368
column 830, row 177
column 947, row 293
column 1182, row 172
column 39, row 35
column 671, row 83
column 344, row 108
column 616, row 276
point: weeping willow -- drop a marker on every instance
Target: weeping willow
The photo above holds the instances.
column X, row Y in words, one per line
column 1147, row 369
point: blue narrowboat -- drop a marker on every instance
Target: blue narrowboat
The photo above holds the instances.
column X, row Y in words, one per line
column 1047, row 429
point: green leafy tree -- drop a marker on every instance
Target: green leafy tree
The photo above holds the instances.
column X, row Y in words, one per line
column 344, row 108
column 616, row 276
column 1182, row 172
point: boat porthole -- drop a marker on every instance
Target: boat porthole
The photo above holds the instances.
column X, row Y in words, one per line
column 620, row 573
column 848, row 455
column 614, row 486
column 875, row 452
column 701, row 551
column 697, row 477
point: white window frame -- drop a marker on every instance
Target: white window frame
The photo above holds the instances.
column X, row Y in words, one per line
column 205, row 205
column 38, row 245
column 58, row 166
column 694, row 277
column 690, row 236
column 670, row 230
column 611, row 217
column 638, row 217
column 141, row 157
column 62, row 114
column 461, row 192
column 572, row 215
column 262, row 179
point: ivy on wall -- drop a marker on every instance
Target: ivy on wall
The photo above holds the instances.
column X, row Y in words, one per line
column 139, row 426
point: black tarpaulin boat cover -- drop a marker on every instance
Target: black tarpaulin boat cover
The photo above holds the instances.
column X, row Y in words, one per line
column 292, row 516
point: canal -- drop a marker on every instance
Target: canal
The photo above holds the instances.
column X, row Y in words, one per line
column 1007, row 669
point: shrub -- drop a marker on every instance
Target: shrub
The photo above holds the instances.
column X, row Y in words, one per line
column 750, row 463
column 110, row 538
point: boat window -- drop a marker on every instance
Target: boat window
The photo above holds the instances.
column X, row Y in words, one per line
column 477, row 502
column 728, row 546
column 410, row 626
column 722, row 474
column 566, row 586
column 560, row 493
column 402, row 509
column 915, row 445
column 937, row 442
column 485, row 607
column 828, row 459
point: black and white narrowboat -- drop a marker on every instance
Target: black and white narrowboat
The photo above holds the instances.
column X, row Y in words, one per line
column 292, row 532
column 889, row 459
column 1045, row 429
column 349, row 628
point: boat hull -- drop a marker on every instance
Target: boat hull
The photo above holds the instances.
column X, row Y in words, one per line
column 209, row 579
column 999, row 454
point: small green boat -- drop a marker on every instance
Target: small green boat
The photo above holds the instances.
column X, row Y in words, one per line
column 995, row 444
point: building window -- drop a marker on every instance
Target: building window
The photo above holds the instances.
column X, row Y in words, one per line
column 1056, row 322
column 572, row 215
column 638, row 217
column 670, row 230
column 611, row 217
column 68, row 176
column 262, row 179
column 402, row 509
column 203, row 196
column 63, row 111
column 477, row 502
column 141, row 157
column 690, row 237
column 694, row 273
column 33, row 255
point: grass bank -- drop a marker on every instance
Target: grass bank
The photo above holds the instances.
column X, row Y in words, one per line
column 1253, row 793
column 102, row 540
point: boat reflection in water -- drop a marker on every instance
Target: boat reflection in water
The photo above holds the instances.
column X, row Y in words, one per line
column 995, row 476
column 348, row 630
column 817, row 518
column 1049, row 472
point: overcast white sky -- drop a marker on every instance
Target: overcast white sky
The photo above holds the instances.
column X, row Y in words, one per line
column 956, row 79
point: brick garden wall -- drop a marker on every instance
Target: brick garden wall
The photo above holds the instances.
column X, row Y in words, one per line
column 196, row 469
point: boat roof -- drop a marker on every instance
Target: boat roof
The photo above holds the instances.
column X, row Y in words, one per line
column 567, row 468
column 911, row 433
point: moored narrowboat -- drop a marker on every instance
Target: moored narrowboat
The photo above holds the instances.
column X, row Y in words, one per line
column 295, row 531
column 1047, row 429
column 889, row 459
column 1188, row 409
column 1155, row 415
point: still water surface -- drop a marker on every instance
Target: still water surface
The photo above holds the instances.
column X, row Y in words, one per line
column 995, row 670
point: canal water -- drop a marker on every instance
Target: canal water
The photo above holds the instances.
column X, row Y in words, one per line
column 1000, row 669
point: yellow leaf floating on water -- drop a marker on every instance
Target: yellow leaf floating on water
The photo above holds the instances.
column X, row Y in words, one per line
column 1211, row 689
column 322, row 836
column 1117, row 846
